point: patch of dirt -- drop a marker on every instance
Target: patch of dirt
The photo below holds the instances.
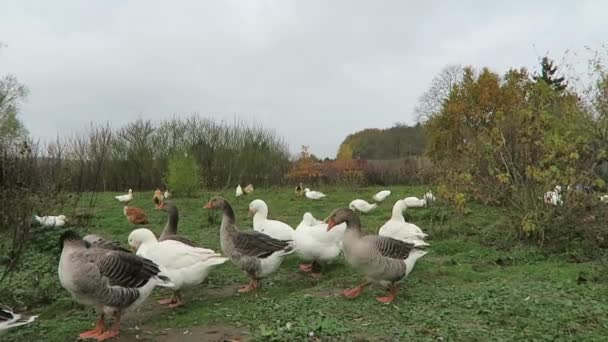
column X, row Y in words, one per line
column 223, row 291
column 208, row 333
column 324, row 293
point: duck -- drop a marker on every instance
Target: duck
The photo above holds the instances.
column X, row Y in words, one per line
column 51, row 221
column 257, row 254
column 314, row 195
column 111, row 281
column 398, row 229
column 362, row 206
column 185, row 265
column 414, row 202
column 248, row 189
column 382, row 195
column 299, row 190
column 170, row 230
column 167, row 194
column 125, row 198
column 314, row 243
column 135, row 215
column 239, row 191
column 273, row 228
column 429, row 197
column 158, row 197
column 9, row 319
column 381, row 259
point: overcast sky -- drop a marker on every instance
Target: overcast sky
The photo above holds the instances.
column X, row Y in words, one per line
column 314, row 71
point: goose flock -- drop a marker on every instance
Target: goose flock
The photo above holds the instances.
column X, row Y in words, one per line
column 98, row 272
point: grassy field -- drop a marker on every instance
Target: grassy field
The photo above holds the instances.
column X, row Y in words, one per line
column 462, row 290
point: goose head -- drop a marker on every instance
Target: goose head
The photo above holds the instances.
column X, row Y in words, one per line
column 140, row 236
column 306, row 190
column 341, row 215
column 256, row 206
column 69, row 237
column 130, row 192
column 216, row 203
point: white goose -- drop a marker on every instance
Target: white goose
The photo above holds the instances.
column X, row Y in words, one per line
column 362, row 206
column 429, row 197
column 314, row 195
column 414, row 202
column 167, row 194
column 382, row 195
column 398, row 229
column 239, row 191
column 185, row 265
column 51, row 221
column 314, row 243
column 125, row 198
column 273, row 228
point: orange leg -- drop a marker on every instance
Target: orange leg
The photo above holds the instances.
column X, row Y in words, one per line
column 305, row 268
column 179, row 301
column 354, row 293
column 114, row 330
column 392, row 293
column 100, row 326
column 253, row 285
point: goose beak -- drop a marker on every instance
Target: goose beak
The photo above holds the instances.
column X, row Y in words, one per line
column 251, row 212
column 133, row 249
column 208, row 205
column 330, row 224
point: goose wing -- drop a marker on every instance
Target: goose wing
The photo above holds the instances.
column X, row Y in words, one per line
column 257, row 244
column 392, row 248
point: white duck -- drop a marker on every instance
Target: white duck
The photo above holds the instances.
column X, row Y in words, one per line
column 125, row 198
column 51, row 221
column 275, row 229
column 314, row 195
column 314, row 243
column 362, row 206
column 382, row 195
column 185, row 265
column 9, row 319
column 414, row 202
column 239, row 191
column 429, row 197
column 398, row 229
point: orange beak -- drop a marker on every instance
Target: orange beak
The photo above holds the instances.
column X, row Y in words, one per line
column 133, row 249
column 250, row 213
column 330, row 224
column 208, row 205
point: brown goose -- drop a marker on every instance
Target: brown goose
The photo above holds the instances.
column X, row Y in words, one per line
column 381, row 259
column 256, row 253
column 110, row 280
column 94, row 240
column 170, row 230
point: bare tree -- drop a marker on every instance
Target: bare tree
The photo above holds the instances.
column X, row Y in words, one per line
column 430, row 101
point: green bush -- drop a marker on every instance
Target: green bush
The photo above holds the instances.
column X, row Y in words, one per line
column 182, row 176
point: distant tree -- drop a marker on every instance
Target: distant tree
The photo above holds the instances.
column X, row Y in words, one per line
column 548, row 73
column 391, row 143
column 432, row 100
column 12, row 93
column 183, row 174
column 345, row 152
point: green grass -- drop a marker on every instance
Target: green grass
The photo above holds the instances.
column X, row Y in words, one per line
column 461, row 291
